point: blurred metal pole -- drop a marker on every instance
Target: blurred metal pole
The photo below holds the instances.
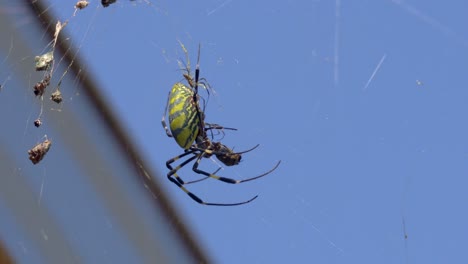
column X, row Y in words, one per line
column 73, row 134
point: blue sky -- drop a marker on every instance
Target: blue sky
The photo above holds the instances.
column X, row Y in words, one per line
column 364, row 102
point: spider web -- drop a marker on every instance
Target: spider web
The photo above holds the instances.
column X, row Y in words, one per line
column 362, row 102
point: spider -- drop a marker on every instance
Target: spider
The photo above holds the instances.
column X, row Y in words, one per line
column 187, row 126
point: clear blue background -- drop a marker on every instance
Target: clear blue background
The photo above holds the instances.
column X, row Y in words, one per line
column 363, row 101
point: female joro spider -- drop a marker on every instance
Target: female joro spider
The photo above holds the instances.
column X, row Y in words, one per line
column 184, row 125
column 187, row 126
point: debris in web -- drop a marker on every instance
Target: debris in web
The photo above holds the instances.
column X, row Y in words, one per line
column 56, row 96
column 37, row 122
column 58, row 27
column 80, row 5
column 106, row 3
column 39, row 87
column 44, row 61
column 48, row 62
column 37, row 153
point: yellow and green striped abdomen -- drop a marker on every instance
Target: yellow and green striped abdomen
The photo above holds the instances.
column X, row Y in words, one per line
column 183, row 118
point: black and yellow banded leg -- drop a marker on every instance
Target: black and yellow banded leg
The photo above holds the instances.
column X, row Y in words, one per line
column 229, row 180
column 173, row 171
column 204, row 178
column 174, row 178
column 200, row 201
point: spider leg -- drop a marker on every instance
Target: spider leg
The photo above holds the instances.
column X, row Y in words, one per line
column 187, row 58
column 200, row 201
column 209, row 126
column 205, row 85
column 195, row 98
column 204, row 178
column 245, row 151
column 197, row 69
column 221, row 149
column 264, row 174
column 173, row 171
column 229, row 180
column 203, row 101
column 180, row 183
column 186, row 67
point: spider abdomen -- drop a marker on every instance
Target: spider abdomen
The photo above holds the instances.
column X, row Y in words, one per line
column 183, row 115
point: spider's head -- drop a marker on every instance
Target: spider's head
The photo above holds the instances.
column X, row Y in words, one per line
column 226, row 155
column 229, row 159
